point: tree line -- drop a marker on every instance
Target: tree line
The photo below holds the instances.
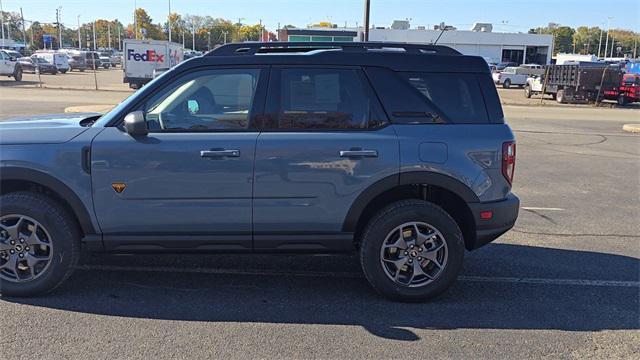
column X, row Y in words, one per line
column 591, row 40
column 206, row 32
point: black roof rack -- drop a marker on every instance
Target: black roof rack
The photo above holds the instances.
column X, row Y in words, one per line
column 237, row 49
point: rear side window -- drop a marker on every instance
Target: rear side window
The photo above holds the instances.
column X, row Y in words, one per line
column 457, row 96
column 321, row 99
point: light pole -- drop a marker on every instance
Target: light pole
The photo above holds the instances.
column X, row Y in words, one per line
column 79, row 35
column 367, row 10
column 109, row 34
column 606, row 44
column 193, row 38
column 169, row 20
column 2, row 21
column 135, row 18
column 95, row 45
column 600, row 43
column 58, row 10
column 225, row 36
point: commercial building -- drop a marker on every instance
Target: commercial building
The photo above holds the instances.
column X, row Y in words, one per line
column 481, row 40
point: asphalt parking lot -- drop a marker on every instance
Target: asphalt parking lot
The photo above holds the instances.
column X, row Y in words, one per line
column 565, row 282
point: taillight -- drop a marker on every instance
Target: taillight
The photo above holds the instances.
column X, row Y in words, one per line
column 508, row 160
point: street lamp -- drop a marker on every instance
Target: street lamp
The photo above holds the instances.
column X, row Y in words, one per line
column 79, row 37
column 606, row 44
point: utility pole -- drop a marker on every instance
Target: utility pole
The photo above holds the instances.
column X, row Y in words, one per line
column 261, row 31
column 182, row 39
column 109, row 34
column 209, row 41
column 95, row 45
column 79, row 34
column 367, row 10
column 606, row 44
column 59, row 27
column 24, row 31
column 193, row 38
column 119, row 47
column 225, row 36
column 169, row 20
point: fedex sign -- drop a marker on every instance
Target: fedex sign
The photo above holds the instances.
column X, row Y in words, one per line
column 149, row 55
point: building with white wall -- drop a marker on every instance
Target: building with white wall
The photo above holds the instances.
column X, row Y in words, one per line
column 482, row 41
column 517, row 47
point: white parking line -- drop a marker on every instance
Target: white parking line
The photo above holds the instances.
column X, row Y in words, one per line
column 490, row 279
column 542, row 208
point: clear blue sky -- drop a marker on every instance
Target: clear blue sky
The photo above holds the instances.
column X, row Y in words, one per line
column 506, row 15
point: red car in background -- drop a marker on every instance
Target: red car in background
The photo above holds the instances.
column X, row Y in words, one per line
column 628, row 91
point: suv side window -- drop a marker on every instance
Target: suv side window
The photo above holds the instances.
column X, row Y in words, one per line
column 205, row 100
column 3, row 56
column 322, row 99
column 458, row 96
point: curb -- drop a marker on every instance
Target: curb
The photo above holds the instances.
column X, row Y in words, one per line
column 89, row 109
column 633, row 128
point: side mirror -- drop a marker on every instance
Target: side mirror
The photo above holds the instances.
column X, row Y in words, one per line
column 135, row 125
column 12, row 58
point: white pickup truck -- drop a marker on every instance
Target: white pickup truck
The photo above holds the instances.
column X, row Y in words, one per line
column 9, row 66
column 510, row 76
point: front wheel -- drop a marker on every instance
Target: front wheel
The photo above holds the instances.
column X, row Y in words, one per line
column 411, row 251
column 17, row 74
column 39, row 244
column 527, row 91
column 506, row 84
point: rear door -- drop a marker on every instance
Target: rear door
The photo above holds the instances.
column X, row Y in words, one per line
column 192, row 175
column 324, row 141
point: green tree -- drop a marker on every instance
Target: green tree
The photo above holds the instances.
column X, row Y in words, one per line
column 250, row 32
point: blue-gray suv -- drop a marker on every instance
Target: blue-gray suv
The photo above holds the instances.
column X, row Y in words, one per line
column 397, row 151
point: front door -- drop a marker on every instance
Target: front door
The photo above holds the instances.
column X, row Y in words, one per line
column 192, row 175
column 324, row 142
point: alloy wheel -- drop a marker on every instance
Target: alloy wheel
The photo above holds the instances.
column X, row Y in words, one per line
column 25, row 248
column 414, row 254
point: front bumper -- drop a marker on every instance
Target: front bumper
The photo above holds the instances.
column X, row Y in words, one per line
column 505, row 213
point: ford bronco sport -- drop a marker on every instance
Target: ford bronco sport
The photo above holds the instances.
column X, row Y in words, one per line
column 397, row 151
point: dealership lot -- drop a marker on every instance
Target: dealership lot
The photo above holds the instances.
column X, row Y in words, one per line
column 564, row 281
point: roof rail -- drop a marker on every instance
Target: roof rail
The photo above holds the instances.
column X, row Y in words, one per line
column 237, row 49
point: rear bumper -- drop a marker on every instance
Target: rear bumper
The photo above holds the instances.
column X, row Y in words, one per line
column 505, row 213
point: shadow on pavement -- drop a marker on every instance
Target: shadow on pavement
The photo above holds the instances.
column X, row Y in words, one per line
column 13, row 83
column 348, row 300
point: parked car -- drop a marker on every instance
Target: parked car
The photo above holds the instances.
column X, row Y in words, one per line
column 510, row 76
column 9, row 66
column 58, row 59
column 105, row 60
column 92, row 59
column 505, row 64
column 34, row 63
column 117, row 58
column 77, row 62
column 628, row 92
column 351, row 147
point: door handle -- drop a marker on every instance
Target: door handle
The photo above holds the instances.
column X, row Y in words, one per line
column 219, row 153
column 359, row 153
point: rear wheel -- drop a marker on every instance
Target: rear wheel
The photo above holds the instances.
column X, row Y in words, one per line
column 506, row 84
column 412, row 251
column 622, row 100
column 39, row 244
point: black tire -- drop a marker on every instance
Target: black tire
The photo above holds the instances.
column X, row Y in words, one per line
column 63, row 71
column 395, row 215
column 506, row 84
column 622, row 100
column 527, row 91
column 81, row 70
column 65, row 238
column 17, row 74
